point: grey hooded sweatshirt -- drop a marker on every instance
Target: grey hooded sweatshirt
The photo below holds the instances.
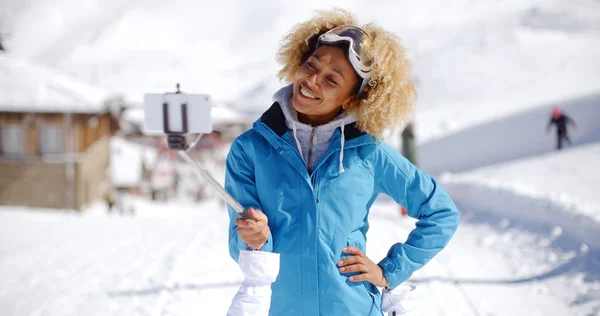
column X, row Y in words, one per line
column 311, row 141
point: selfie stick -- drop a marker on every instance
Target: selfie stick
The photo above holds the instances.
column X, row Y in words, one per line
column 178, row 142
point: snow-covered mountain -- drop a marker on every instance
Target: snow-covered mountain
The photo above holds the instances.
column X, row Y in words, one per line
column 488, row 74
column 473, row 60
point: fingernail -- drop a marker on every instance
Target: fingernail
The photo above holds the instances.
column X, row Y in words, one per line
column 345, row 248
column 351, row 278
column 340, row 262
column 342, row 269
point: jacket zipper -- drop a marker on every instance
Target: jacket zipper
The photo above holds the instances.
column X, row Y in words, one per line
column 314, row 187
column 316, row 194
column 313, row 137
column 311, row 144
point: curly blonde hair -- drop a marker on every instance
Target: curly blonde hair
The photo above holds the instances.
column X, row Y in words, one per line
column 391, row 94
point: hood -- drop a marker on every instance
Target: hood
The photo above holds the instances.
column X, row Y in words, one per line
column 325, row 131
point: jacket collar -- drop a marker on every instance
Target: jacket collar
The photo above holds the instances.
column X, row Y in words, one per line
column 274, row 119
column 273, row 128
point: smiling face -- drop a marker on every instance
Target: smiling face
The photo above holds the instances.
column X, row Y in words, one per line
column 324, row 85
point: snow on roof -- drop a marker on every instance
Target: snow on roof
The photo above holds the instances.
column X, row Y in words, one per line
column 29, row 87
column 225, row 115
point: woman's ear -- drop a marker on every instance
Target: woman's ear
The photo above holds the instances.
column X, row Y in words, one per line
column 346, row 104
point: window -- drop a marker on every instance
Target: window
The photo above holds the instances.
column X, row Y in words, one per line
column 51, row 139
column 12, row 141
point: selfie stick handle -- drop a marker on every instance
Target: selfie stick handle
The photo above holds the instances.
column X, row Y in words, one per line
column 178, row 142
column 220, row 190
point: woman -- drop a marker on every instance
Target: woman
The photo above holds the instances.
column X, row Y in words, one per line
column 313, row 164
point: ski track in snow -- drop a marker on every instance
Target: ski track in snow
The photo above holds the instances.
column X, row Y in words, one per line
column 172, row 259
column 447, row 299
column 493, row 267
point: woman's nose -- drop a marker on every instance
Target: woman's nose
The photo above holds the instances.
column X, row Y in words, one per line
column 312, row 79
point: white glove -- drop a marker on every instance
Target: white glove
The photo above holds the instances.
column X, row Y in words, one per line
column 399, row 301
column 254, row 296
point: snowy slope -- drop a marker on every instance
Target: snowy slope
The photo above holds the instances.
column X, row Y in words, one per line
column 488, row 73
column 483, row 58
column 103, row 265
column 496, row 266
column 505, row 62
column 558, row 189
column 517, row 135
column 172, row 259
column 570, row 175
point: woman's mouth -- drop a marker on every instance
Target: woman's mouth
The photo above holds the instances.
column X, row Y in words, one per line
column 307, row 94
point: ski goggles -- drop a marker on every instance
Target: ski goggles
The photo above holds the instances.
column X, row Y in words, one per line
column 359, row 42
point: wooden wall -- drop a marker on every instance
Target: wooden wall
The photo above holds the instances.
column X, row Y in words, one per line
column 47, row 182
column 86, row 128
column 33, row 184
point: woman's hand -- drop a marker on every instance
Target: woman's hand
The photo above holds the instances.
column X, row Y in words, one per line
column 360, row 263
column 254, row 232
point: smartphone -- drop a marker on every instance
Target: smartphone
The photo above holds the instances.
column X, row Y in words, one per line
column 177, row 113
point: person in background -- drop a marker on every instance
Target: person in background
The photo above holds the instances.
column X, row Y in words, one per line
column 110, row 198
column 409, row 150
column 561, row 120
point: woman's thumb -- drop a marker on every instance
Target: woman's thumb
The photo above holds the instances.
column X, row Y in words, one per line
column 257, row 215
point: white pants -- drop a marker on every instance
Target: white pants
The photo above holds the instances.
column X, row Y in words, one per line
column 254, row 296
column 260, row 271
column 400, row 301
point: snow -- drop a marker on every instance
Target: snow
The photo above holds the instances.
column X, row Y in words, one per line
column 172, row 259
column 493, row 267
column 28, row 87
column 127, row 160
column 527, row 245
column 488, row 58
column 488, row 74
column 555, row 189
column 104, row 265
column 552, row 175
column 513, row 136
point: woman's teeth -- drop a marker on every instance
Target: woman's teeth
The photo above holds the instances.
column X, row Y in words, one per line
column 307, row 94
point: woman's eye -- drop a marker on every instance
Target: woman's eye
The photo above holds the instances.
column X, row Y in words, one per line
column 310, row 66
column 330, row 79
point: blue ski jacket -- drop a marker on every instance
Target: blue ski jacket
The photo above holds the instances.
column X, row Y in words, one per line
column 312, row 216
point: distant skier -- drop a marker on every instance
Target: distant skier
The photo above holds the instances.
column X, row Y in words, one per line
column 561, row 121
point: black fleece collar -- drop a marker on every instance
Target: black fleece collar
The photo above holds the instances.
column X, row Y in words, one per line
column 275, row 120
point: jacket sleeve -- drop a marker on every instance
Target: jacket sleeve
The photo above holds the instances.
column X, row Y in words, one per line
column 424, row 200
column 240, row 183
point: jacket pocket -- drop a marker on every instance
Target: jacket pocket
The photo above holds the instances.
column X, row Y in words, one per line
column 366, row 290
column 370, row 290
column 374, row 294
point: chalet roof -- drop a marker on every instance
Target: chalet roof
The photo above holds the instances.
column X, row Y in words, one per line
column 28, row 87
